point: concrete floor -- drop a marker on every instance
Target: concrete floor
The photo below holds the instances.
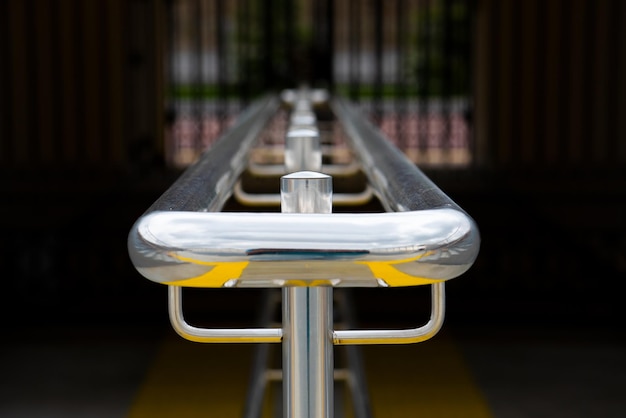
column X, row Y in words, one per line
column 69, row 372
column 563, row 372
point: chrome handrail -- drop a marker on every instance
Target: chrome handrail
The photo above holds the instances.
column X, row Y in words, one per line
column 207, row 184
column 273, row 199
column 198, row 249
column 273, row 170
column 401, row 186
column 182, row 240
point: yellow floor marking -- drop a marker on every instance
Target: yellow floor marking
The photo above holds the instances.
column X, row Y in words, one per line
column 189, row 380
column 428, row 379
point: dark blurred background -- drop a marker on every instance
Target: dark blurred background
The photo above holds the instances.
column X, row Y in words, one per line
column 517, row 109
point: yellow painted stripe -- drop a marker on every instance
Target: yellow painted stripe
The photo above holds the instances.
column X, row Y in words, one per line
column 393, row 277
column 221, row 272
column 195, row 380
column 216, row 277
column 429, row 379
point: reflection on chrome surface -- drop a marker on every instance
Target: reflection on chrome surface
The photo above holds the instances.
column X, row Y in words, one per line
column 207, row 249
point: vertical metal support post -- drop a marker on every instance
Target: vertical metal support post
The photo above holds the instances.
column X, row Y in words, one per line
column 303, row 114
column 302, row 149
column 307, row 315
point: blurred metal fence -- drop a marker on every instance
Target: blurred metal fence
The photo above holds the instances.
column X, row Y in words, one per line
column 406, row 62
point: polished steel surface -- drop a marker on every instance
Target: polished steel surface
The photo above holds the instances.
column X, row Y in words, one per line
column 302, row 149
column 206, row 185
column 314, row 96
column 399, row 183
column 271, row 170
column 273, row 199
column 402, row 336
column 182, row 241
column 425, row 238
column 215, row 335
column 306, row 192
column 308, row 352
column 273, row 249
column 303, row 118
column 307, row 314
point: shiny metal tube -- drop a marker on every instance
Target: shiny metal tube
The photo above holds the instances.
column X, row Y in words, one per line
column 404, row 336
column 307, row 314
column 274, row 249
column 295, row 317
column 306, row 192
column 428, row 239
column 215, row 335
column 399, row 184
column 273, row 199
column 315, row 96
column 272, row 170
column 302, row 149
column 307, row 352
column 206, row 185
column 303, row 118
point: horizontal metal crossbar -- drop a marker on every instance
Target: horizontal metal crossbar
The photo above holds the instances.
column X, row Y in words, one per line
column 197, row 249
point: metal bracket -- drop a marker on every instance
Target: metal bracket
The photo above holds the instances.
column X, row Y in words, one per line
column 340, row 337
